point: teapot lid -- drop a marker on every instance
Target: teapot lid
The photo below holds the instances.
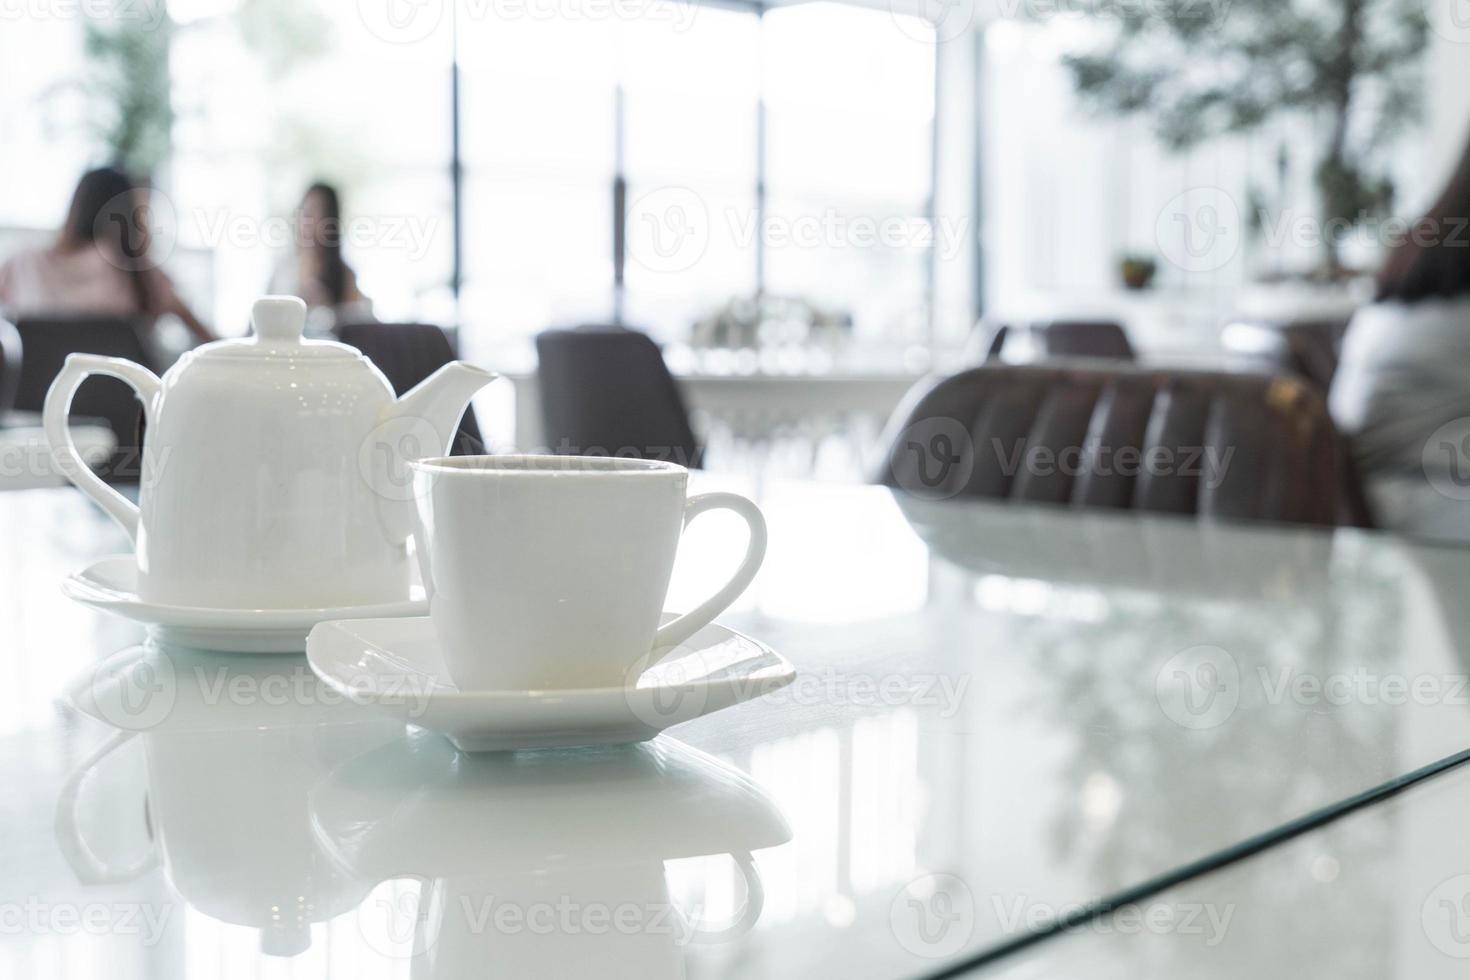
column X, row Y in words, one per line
column 278, row 322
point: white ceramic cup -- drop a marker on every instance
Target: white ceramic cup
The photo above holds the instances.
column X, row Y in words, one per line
column 550, row 572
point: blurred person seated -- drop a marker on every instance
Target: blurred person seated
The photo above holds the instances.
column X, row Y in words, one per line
column 316, row 271
column 1402, row 388
column 101, row 263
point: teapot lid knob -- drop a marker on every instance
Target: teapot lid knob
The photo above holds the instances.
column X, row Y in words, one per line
column 279, row 319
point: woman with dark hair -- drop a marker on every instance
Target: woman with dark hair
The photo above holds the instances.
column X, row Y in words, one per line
column 1402, row 388
column 316, row 271
column 101, row 262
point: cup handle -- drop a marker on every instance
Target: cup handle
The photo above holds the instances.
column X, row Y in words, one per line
column 89, row 868
column 58, row 434
column 678, row 630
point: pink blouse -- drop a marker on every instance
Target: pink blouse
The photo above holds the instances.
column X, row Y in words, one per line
column 78, row 281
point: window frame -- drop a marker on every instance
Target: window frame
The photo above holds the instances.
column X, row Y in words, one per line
column 619, row 183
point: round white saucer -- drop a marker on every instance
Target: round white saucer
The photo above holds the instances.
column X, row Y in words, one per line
column 394, row 665
column 111, row 585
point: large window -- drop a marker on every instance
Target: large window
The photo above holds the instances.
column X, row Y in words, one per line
column 849, row 138
column 727, row 149
column 537, row 123
column 511, row 167
column 577, row 132
column 692, row 165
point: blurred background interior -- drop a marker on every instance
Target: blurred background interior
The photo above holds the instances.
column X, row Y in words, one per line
column 808, row 208
column 895, row 241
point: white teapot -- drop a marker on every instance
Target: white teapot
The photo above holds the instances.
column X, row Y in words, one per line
column 275, row 468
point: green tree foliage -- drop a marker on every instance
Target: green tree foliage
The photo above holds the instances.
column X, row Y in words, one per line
column 128, row 86
column 1204, row 68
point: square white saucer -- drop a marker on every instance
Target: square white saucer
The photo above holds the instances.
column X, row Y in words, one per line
column 394, row 665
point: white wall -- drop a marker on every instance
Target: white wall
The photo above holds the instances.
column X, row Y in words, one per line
column 1447, row 78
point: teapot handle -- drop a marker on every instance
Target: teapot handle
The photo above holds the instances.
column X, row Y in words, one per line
column 68, row 460
column 89, row 868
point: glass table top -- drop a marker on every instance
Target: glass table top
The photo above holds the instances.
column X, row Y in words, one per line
column 997, row 708
column 1383, row 893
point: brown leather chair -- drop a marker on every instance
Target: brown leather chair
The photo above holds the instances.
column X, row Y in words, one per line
column 407, row 353
column 1084, row 338
column 9, row 366
column 1210, row 444
column 607, row 391
column 1306, row 348
column 45, row 342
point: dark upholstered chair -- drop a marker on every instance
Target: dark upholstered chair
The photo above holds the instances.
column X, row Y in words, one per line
column 9, row 366
column 1083, row 338
column 407, row 353
column 1306, row 348
column 1210, row 444
column 607, row 391
column 45, row 343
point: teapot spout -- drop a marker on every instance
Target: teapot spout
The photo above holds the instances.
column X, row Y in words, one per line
column 439, row 400
column 420, row 424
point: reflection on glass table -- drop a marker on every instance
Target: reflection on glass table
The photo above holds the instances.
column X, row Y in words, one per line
column 1029, row 706
column 232, row 744
column 543, row 863
column 282, row 814
column 1383, row 894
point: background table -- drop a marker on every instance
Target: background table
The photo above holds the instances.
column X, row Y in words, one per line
column 744, row 419
column 1014, row 709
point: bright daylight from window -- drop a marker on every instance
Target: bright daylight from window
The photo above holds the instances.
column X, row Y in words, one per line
column 734, row 489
